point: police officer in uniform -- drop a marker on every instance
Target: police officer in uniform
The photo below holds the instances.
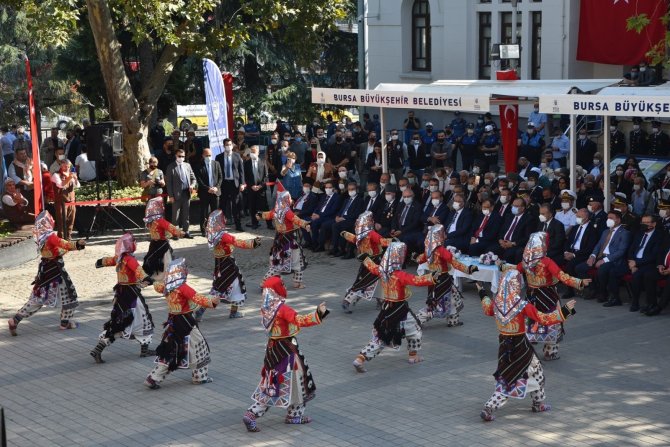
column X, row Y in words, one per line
column 629, row 220
column 637, row 138
column 658, row 141
column 469, row 147
column 617, row 139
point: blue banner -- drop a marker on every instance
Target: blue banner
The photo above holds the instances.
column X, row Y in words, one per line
column 215, row 97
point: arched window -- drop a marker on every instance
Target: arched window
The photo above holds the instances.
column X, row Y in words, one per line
column 421, row 35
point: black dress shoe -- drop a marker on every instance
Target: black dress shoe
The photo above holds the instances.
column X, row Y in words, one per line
column 612, row 303
column 634, row 308
column 187, row 235
column 653, row 310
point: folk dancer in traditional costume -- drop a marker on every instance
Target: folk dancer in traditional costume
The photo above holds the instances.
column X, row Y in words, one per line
column 370, row 244
column 183, row 346
column 286, row 381
column 519, row 370
column 395, row 320
column 444, row 300
column 228, row 284
column 52, row 286
column 130, row 318
column 286, row 255
column 159, row 255
column 542, row 276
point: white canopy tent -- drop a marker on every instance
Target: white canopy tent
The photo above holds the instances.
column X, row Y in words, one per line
column 467, row 96
column 610, row 101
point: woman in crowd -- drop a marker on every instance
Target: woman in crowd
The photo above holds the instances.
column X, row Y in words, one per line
column 152, row 180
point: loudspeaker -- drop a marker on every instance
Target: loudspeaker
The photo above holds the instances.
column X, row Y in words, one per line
column 104, row 141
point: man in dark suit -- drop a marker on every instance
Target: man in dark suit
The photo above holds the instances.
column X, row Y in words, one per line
column 384, row 221
column 209, row 179
column 436, row 213
column 458, row 224
column 323, row 216
column 256, row 176
column 556, row 232
column 345, row 220
column 642, row 256
column 586, row 149
column 484, row 229
column 373, row 202
column 304, row 205
column 579, row 245
column 179, row 183
column 609, row 259
column 598, row 215
column 233, row 182
column 657, row 302
column 534, row 188
column 514, row 233
column 406, row 225
column 504, row 206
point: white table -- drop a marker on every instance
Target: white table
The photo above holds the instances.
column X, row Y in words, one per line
column 486, row 273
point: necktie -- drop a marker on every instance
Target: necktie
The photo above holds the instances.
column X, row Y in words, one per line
column 545, row 227
column 607, row 241
column 255, row 171
column 502, row 210
column 346, row 208
column 479, row 231
column 405, row 210
column 510, row 232
column 579, row 232
column 182, row 175
column 229, row 168
column 326, row 204
column 209, row 174
column 642, row 242
column 370, row 204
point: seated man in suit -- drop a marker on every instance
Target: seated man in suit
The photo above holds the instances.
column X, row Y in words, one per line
column 324, row 215
column 373, row 202
column 556, row 232
column 598, row 214
column 304, row 205
column 406, row 225
column 437, row 211
column 642, row 256
column 609, row 258
column 533, row 185
column 387, row 213
column 485, row 229
column 514, row 233
column 657, row 302
column 458, row 224
column 579, row 245
column 345, row 220
column 503, row 207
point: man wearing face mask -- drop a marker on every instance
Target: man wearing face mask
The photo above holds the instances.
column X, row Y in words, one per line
column 458, row 224
column 458, row 125
column 468, row 147
column 395, row 150
column 426, row 193
column 579, row 245
column 534, row 188
column 642, row 257
column 531, row 144
column 411, row 125
column 65, row 182
column 209, row 178
column 664, row 214
column 555, row 231
column 345, row 220
column 637, row 138
column 384, row 221
column 560, row 148
column 609, row 259
column 659, row 142
column 440, row 151
column 489, row 146
column 540, row 119
column 598, row 214
column 524, row 167
column 323, row 216
column 373, row 202
column 180, row 182
column 617, row 139
column 586, row 149
column 298, row 147
column 59, row 155
column 233, row 182
column 407, row 223
column 647, row 75
column 567, row 215
column 305, row 205
column 514, row 233
column 338, row 153
column 428, row 137
column 629, row 220
column 437, row 211
column 484, row 229
column 416, row 155
column 256, row 177
column 640, row 197
column 504, row 206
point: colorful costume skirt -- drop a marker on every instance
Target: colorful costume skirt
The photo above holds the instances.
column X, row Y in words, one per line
column 130, row 318
column 365, row 283
column 443, row 298
column 228, row 282
column 388, row 323
column 286, row 254
column 154, row 259
column 546, row 300
column 515, row 354
column 52, row 286
column 285, row 377
column 182, row 345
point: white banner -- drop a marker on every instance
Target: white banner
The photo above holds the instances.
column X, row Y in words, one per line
column 400, row 100
column 619, row 105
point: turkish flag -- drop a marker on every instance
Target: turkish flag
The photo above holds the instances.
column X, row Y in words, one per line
column 228, row 87
column 603, row 37
column 509, row 125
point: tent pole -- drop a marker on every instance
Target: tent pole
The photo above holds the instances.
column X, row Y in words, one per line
column 606, row 162
column 383, row 139
column 573, row 154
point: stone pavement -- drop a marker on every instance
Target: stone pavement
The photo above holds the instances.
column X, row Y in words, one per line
column 610, row 388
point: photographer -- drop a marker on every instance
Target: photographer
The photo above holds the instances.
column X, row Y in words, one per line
column 152, row 180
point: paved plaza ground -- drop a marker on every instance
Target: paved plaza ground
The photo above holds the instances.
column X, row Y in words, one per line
column 610, row 388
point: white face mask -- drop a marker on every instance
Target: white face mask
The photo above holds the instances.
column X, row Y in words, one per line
column 636, row 127
column 228, row 149
column 663, row 213
column 504, row 199
column 655, row 129
column 582, row 137
column 394, row 137
column 610, row 223
column 389, row 198
column 407, row 200
column 273, row 141
column 636, row 187
column 329, row 191
column 342, row 174
column 579, row 220
column 487, row 181
column 457, row 206
column 383, row 184
column 543, row 166
column 416, row 144
column 306, row 190
column 342, row 186
column 253, row 156
column 566, row 205
column 475, row 170
column 432, row 188
column 531, row 184
column 590, row 208
column 471, row 187
column 403, row 188
column 372, row 194
column 511, row 184
column 208, row 159
column 596, row 162
column 542, row 218
column 61, row 157
column 179, row 161
column 435, row 202
column 486, row 212
column 320, row 161
column 411, row 180
column 352, row 193
column 667, row 173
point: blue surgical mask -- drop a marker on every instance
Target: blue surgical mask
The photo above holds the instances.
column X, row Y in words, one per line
column 298, row 139
column 515, row 210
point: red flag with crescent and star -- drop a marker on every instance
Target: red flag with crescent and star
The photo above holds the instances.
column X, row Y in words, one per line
column 603, row 37
column 509, row 125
